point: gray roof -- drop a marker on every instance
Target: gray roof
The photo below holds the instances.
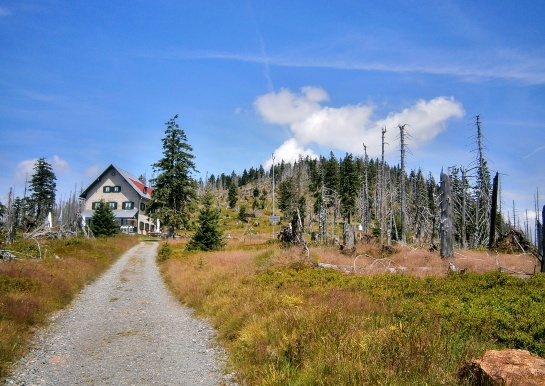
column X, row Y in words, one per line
column 131, row 213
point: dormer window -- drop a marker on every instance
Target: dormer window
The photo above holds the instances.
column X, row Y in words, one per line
column 145, row 190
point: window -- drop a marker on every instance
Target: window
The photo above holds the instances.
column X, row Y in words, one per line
column 111, row 189
column 141, row 225
column 128, row 205
column 112, row 205
column 142, row 206
column 147, row 227
column 145, row 190
column 95, row 205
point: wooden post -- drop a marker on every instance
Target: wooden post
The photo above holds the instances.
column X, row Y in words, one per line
column 492, row 236
column 445, row 227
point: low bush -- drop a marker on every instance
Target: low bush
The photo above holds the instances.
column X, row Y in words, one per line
column 164, row 252
column 284, row 322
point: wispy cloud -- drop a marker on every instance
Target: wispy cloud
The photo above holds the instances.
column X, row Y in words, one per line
column 37, row 96
column 539, row 149
column 262, row 49
column 499, row 64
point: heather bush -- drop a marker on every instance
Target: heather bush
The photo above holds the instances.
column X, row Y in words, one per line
column 284, row 322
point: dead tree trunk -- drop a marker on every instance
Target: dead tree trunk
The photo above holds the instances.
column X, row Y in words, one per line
column 402, row 137
column 493, row 213
column 543, row 240
column 365, row 194
column 445, row 228
column 349, row 237
column 382, row 191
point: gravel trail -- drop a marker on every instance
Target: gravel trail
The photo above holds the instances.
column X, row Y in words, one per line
column 124, row 329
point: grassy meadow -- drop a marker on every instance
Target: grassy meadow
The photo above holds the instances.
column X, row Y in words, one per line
column 31, row 289
column 285, row 322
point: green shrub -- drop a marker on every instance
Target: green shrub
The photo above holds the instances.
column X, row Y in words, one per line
column 164, row 252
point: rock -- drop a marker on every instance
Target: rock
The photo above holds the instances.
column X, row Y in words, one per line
column 325, row 265
column 504, row 368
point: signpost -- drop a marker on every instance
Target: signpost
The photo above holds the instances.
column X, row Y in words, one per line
column 274, row 219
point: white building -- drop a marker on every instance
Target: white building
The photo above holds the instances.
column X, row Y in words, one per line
column 126, row 195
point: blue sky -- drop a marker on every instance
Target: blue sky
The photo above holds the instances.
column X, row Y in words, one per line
column 90, row 83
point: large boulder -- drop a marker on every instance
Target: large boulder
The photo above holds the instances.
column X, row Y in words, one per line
column 504, row 368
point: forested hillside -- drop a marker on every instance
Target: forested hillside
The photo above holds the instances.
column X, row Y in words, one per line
column 381, row 200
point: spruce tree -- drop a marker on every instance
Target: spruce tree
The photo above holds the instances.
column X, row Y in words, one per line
column 242, row 214
column 349, row 186
column 208, row 236
column 232, row 195
column 174, row 188
column 43, row 187
column 103, row 221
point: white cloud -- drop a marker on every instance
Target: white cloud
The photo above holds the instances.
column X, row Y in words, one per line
column 346, row 128
column 25, row 169
column 285, row 107
column 289, row 152
column 59, row 165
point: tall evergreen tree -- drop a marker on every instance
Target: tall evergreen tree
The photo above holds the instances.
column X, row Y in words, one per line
column 103, row 221
column 208, row 236
column 332, row 173
column 174, row 188
column 350, row 186
column 43, row 187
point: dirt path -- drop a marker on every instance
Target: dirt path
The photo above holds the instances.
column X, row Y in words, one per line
column 124, row 329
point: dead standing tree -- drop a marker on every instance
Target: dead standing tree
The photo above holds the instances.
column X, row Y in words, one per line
column 445, row 227
column 403, row 136
column 382, row 194
column 494, row 211
column 364, row 203
column 541, row 240
column 482, row 192
column 10, row 219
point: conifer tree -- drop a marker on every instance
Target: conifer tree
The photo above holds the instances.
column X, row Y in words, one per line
column 232, row 196
column 174, row 188
column 349, row 186
column 103, row 221
column 242, row 214
column 43, row 187
column 208, row 236
column 332, row 173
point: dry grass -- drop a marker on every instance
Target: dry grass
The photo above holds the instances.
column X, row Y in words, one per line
column 420, row 262
column 284, row 322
